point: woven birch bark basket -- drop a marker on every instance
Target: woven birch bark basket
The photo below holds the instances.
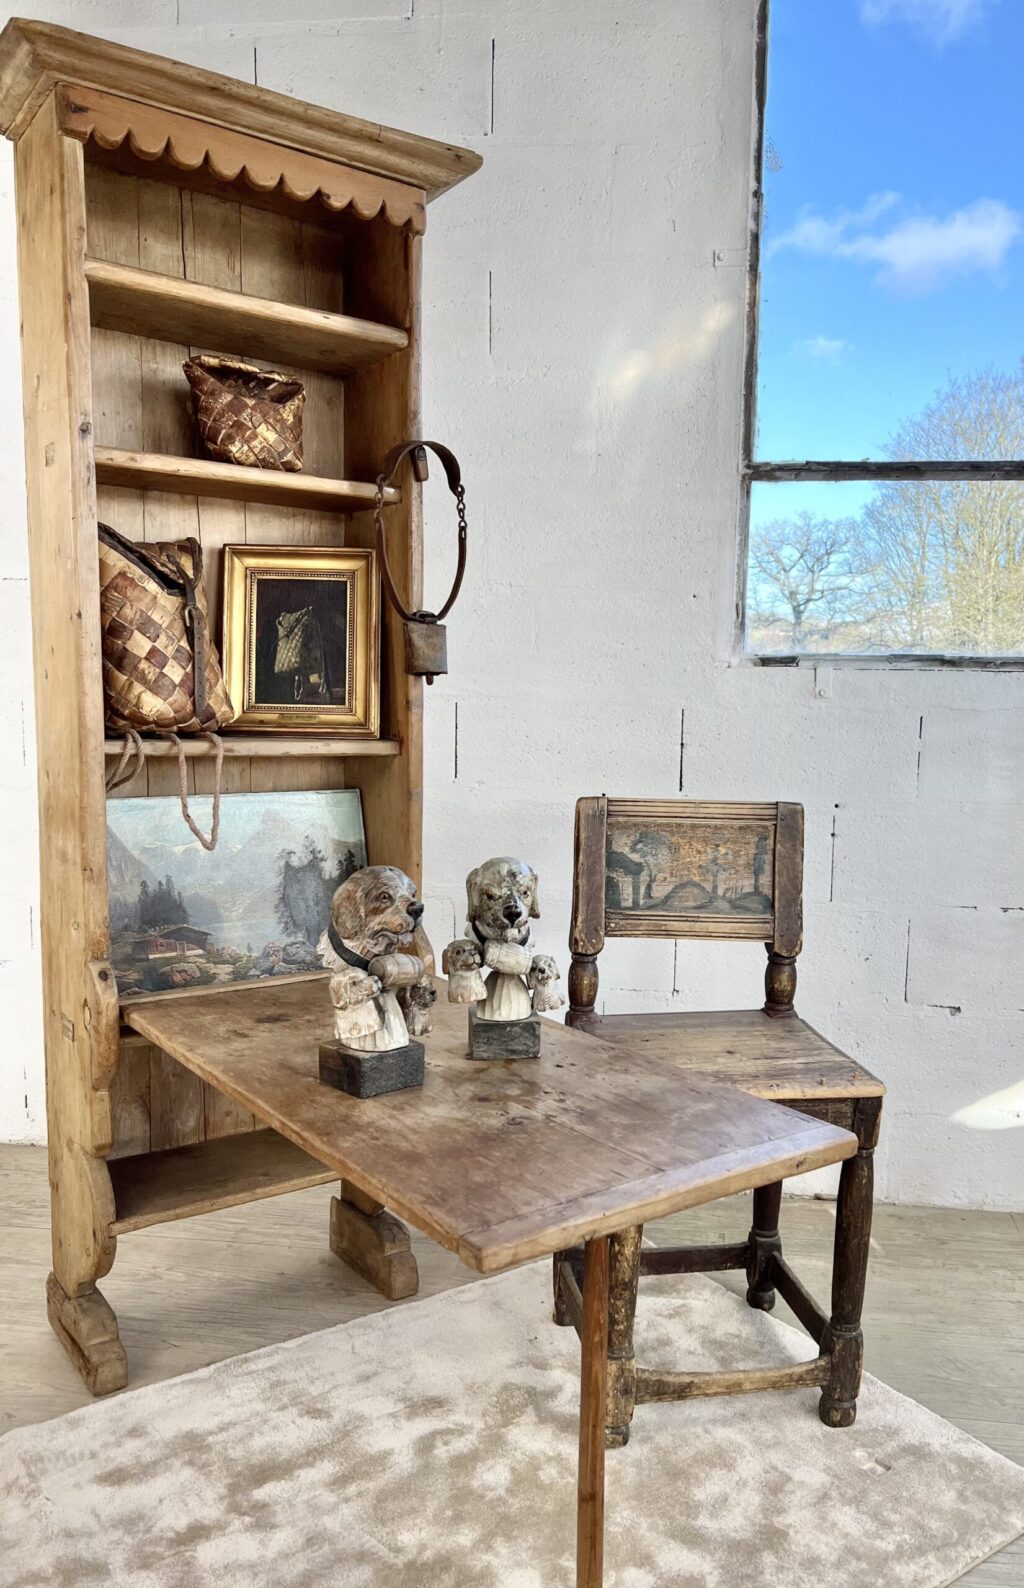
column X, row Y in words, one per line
column 245, row 414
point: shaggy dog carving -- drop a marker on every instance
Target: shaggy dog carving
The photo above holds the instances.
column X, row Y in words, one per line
column 501, row 898
column 381, row 961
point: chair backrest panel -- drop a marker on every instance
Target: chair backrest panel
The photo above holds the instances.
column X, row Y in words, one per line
column 688, row 869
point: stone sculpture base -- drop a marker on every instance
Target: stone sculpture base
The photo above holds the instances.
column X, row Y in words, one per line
column 503, row 1039
column 371, row 1074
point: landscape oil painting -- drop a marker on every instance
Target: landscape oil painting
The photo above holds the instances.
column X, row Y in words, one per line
column 253, row 907
column 687, row 867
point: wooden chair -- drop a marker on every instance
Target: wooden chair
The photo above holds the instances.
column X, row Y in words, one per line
column 690, row 868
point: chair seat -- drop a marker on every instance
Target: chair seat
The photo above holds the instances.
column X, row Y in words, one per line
column 785, row 1060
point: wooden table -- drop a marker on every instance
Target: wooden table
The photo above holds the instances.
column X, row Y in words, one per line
column 502, row 1162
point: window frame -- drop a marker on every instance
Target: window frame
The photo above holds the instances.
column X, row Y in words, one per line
column 754, row 471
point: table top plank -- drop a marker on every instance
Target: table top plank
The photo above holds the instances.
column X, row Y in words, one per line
column 499, row 1162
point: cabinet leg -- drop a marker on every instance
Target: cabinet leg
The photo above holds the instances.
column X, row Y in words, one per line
column 624, row 1277
column 593, row 1417
column 374, row 1243
column 843, row 1338
column 764, row 1247
column 82, row 1211
column 87, row 1329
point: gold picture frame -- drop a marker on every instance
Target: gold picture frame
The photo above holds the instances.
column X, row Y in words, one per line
column 302, row 639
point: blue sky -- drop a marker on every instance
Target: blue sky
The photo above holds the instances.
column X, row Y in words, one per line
column 893, row 252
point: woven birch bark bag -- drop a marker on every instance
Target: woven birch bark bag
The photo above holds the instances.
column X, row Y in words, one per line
column 245, row 414
column 161, row 670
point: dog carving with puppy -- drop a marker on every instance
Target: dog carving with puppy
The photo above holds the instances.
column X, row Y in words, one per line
column 501, row 898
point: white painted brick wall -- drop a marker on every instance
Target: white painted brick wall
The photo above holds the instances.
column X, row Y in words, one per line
column 584, row 357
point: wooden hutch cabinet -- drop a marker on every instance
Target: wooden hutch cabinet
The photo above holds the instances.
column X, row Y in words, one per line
column 165, row 210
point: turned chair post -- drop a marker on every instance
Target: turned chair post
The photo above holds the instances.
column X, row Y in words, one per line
column 779, row 983
column 583, row 985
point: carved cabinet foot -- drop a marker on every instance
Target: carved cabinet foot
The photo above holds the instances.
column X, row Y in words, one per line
column 87, row 1329
column 374, row 1243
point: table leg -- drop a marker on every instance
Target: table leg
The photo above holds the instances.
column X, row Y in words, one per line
column 623, row 1279
column 593, row 1407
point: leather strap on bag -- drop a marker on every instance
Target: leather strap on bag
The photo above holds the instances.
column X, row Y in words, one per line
column 195, row 621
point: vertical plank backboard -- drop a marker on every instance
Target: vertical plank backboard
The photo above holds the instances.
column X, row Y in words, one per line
column 112, row 224
column 130, row 1100
column 275, row 263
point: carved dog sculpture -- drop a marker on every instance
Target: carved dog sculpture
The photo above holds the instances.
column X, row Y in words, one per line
column 382, row 962
column 501, row 898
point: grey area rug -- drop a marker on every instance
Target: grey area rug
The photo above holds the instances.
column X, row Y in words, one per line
column 434, row 1446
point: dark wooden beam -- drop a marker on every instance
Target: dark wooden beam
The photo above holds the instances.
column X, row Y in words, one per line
column 799, row 1300
column 914, row 659
column 905, row 471
column 693, row 1259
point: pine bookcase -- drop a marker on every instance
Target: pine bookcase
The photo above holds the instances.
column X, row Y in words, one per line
column 163, row 210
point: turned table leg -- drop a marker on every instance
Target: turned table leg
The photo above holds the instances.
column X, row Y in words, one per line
column 623, row 1279
column 764, row 1247
column 593, row 1411
column 843, row 1338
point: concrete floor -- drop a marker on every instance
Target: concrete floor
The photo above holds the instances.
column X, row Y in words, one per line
column 943, row 1317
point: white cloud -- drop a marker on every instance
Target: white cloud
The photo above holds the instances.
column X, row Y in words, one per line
column 915, row 254
column 922, row 252
column 825, row 347
column 941, row 21
column 813, row 234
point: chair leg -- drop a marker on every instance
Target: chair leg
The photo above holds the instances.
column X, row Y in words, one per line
column 624, row 1278
column 843, row 1339
column 764, row 1246
column 574, row 1257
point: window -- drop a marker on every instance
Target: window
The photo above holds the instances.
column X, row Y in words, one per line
column 886, row 335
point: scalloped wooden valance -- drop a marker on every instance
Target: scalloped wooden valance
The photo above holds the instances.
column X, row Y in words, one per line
column 154, row 134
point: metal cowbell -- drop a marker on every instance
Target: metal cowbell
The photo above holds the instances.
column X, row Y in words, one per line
column 426, row 647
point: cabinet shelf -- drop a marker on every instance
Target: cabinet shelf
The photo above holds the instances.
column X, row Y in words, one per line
column 159, row 471
column 143, row 303
column 265, row 744
column 158, row 1187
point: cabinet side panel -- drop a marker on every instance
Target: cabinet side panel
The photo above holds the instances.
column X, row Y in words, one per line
column 80, row 1026
column 383, row 408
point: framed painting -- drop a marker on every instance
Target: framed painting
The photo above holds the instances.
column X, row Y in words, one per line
column 254, row 907
column 302, row 639
column 690, row 868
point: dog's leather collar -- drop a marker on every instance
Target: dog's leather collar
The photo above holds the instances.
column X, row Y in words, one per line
column 483, row 941
column 344, row 952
